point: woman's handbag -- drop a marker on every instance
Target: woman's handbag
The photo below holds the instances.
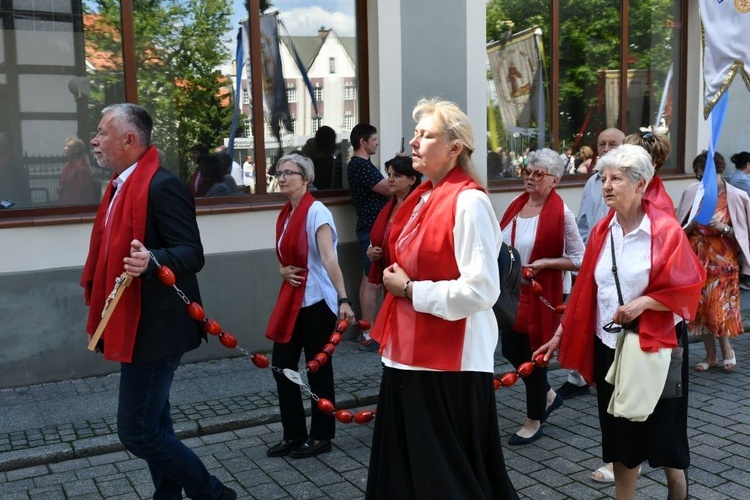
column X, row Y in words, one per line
column 640, row 378
column 506, row 307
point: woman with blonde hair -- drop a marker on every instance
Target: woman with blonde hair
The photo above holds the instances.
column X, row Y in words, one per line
column 586, row 155
column 436, row 434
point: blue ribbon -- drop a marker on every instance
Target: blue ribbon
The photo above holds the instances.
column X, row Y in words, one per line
column 238, row 94
column 708, row 205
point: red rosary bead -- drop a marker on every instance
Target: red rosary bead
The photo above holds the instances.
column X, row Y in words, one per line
column 313, row 366
column 259, row 360
column 195, row 311
column 227, row 340
column 496, row 383
column 166, row 276
column 364, row 416
column 344, row 416
column 212, row 326
column 540, row 361
column 342, row 325
column 560, row 309
column 325, row 406
column 527, row 273
column 321, row 358
column 335, row 338
column 508, row 379
column 329, row 349
column 536, row 288
column 363, row 324
column 525, row 369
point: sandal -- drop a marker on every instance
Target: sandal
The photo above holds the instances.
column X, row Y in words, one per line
column 703, row 366
column 729, row 363
column 606, row 474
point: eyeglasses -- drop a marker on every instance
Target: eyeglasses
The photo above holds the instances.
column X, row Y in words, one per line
column 285, row 174
column 613, row 327
column 535, row 175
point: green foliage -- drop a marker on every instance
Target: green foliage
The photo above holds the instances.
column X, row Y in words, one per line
column 179, row 44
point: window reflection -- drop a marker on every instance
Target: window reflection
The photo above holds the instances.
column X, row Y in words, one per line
column 61, row 62
column 586, row 63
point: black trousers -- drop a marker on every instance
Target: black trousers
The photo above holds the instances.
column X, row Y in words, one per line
column 312, row 330
column 517, row 349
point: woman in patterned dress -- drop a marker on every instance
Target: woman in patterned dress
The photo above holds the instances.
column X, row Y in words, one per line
column 718, row 246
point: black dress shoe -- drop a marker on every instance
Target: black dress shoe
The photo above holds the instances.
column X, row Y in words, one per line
column 282, row 448
column 227, row 494
column 568, row 390
column 516, row 440
column 311, row 448
column 557, row 403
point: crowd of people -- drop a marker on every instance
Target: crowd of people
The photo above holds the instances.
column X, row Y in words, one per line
column 647, row 276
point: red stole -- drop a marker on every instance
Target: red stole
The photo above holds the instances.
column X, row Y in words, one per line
column 109, row 245
column 657, row 194
column 536, row 319
column 377, row 238
column 676, row 281
column 291, row 250
column 426, row 253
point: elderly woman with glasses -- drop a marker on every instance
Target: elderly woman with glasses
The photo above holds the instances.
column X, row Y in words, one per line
column 311, row 299
column 722, row 247
column 659, row 281
column 544, row 231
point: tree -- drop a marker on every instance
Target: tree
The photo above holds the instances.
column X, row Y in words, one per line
column 178, row 46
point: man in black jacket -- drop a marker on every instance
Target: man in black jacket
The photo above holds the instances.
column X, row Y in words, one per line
column 147, row 209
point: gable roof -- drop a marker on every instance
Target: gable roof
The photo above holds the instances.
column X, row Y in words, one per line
column 308, row 47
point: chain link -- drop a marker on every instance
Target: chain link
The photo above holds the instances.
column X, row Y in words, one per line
column 544, row 301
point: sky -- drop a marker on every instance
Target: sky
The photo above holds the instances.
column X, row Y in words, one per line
column 305, row 17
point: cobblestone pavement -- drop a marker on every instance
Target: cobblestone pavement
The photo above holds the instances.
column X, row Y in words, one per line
column 57, row 440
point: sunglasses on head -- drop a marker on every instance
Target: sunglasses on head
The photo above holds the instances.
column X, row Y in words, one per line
column 648, row 136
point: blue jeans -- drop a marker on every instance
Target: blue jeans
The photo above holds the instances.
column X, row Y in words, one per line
column 363, row 238
column 144, row 426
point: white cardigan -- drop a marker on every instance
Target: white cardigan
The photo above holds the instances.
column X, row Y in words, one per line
column 739, row 213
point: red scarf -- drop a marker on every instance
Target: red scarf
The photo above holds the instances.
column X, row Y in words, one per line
column 534, row 318
column 656, row 193
column 127, row 221
column 414, row 338
column 676, row 280
column 291, row 250
column 377, row 238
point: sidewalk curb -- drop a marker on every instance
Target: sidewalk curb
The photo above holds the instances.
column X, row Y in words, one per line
column 99, row 445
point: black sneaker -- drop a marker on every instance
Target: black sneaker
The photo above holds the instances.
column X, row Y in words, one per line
column 568, row 390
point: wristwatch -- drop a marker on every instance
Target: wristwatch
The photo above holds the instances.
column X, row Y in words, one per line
column 345, row 300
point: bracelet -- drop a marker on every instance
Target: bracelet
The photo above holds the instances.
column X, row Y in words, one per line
column 406, row 288
column 345, row 300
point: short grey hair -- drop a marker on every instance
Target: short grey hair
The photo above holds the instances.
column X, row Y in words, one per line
column 547, row 159
column 132, row 118
column 634, row 161
column 303, row 162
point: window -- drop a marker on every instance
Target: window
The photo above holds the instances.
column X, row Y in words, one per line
column 245, row 96
column 348, row 122
column 248, row 128
column 291, row 94
column 318, row 94
column 350, row 92
column 597, row 73
column 316, row 123
column 331, row 65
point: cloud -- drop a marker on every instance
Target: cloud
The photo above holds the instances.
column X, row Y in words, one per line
column 307, row 21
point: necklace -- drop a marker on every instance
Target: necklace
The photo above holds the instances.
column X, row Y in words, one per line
column 534, row 206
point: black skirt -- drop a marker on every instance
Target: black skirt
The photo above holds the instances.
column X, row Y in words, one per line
column 436, row 436
column 662, row 438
